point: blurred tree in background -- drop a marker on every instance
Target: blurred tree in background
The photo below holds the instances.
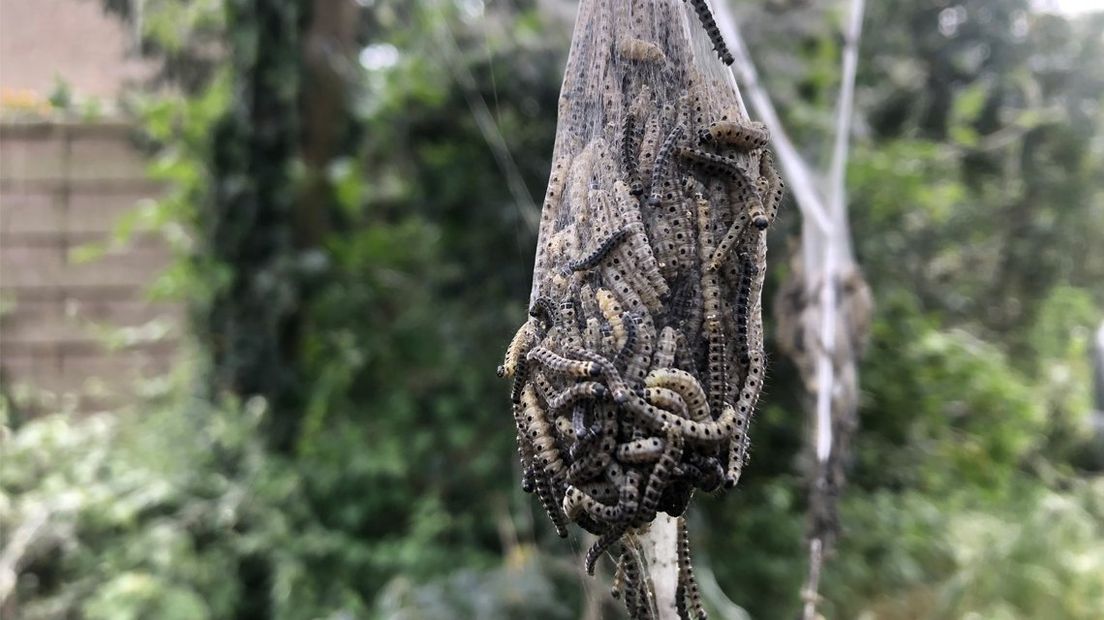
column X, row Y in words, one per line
column 356, row 242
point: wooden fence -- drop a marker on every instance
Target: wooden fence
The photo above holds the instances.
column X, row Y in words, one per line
column 63, row 187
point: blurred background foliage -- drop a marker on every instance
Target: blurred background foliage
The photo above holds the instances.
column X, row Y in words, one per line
column 356, row 251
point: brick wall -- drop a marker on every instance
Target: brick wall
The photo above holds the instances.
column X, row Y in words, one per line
column 63, row 186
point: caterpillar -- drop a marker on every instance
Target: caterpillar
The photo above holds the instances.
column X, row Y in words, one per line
column 592, row 464
column 620, row 516
column 638, row 242
column 727, row 242
column 527, row 479
column 588, row 467
column 640, row 451
column 711, row 305
column 578, row 421
column 753, row 380
column 758, row 213
column 774, row 188
column 649, row 142
column 591, row 390
column 742, row 137
column 667, row 399
column 662, row 159
column 749, row 395
column 630, row 161
column 521, row 374
column 638, row 599
column 604, row 248
column 715, row 363
column 544, row 310
column 602, row 220
column 519, row 347
column 576, row 502
column 564, row 432
column 604, row 542
column 628, row 349
column 687, row 589
column 546, row 453
column 705, row 16
column 549, row 463
column 708, row 432
column 743, row 303
column 686, row 386
column 715, row 165
column 661, row 473
column 629, row 496
column 613, row 314
column 642, row 356
column 605, row 492
column 558, row 363
column 665, row 350
column 617, row 386
column 570, row 322
column 630, row 566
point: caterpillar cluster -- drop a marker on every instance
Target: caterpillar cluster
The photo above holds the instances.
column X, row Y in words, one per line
column 637, row 374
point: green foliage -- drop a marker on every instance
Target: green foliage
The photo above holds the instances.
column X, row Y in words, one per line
column 943, row 409
column 1033, row 553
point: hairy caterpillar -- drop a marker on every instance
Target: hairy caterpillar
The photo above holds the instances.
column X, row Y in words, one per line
column 662, row 159
column 591, row 260
column 641, row 251
column 729, row 240
column 743, row 137
column 519, row 347
column 774, row 188
column 558, row 363
column 715, row 165
column 667, row 399
column 569, row 395
column 686, row 386
column 546, row 458
column 544, row 310
column 661, row 473
column 640, row 451
column 630, row 160
column 687, row 589
column 665, row 350
column 701, row 7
